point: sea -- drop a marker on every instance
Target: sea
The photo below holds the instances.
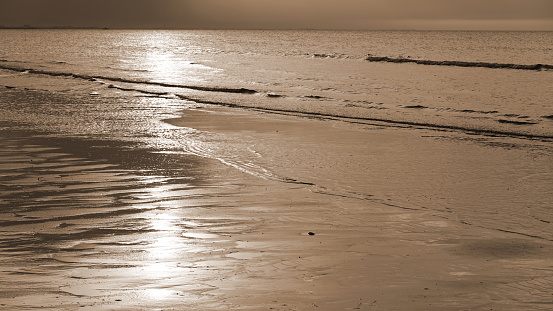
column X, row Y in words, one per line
column 456, row 123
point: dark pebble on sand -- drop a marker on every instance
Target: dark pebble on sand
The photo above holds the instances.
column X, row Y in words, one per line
column 311, row 233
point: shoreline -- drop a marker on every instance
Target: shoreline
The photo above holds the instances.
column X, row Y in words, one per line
column 183, row 230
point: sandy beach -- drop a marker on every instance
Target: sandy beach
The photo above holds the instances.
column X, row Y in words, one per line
column 109, row 225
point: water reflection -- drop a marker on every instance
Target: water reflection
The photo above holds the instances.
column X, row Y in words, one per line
column 159, row 293
column 169, row 264
column 165, row 222
column 166, row 58
column 160, row 64
column 170, row 267
column 104, row 215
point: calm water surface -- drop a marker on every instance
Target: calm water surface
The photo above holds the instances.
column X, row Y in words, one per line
column 305, row 73
column 472, row 146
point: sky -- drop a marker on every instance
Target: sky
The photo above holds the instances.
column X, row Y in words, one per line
column 282, row 14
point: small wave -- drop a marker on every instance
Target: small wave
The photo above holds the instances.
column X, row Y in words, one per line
column 125, row 69
column 3, row 60
column 389, row 122
column 273, row 95
column 315, row 97
column 514, row 115
column 415, row 107
column 366, row 106
column 518, row 128
column 123, row 80
column 476, row 111
column 516, row 122
column 111, row 86
column 371, row 58
column 323, row 55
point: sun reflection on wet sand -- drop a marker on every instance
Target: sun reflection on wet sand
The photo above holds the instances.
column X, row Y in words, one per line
column 159, row 293
column 116, row 242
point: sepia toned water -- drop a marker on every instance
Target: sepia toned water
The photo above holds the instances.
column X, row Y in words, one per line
column 141, row 153
column 316, row 72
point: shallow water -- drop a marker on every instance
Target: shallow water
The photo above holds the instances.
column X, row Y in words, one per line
column 95, row 223
column 313, row 72
column 147, row 166
column 496, row 121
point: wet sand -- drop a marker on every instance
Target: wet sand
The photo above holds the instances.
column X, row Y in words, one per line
column 107, row 225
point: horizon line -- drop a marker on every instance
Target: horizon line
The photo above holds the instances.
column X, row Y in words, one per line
column 30, row 27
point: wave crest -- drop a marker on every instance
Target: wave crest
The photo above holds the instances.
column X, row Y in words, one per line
column 123, row 80
column 386, row 59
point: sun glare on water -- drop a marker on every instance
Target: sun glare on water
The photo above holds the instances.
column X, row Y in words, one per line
column 167, row 57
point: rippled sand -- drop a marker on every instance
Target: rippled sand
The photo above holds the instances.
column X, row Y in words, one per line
column 108, row 225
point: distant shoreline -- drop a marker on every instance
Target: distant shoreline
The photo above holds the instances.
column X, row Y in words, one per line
column 251, row 29
column 46, row 28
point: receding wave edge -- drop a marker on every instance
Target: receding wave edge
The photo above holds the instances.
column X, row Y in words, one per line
column 357, row 119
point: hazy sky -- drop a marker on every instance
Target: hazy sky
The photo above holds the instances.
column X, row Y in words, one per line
column 333, row 14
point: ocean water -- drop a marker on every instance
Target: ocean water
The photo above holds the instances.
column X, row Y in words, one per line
column 470, row 144
column 313, row 72
column 305, row 73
